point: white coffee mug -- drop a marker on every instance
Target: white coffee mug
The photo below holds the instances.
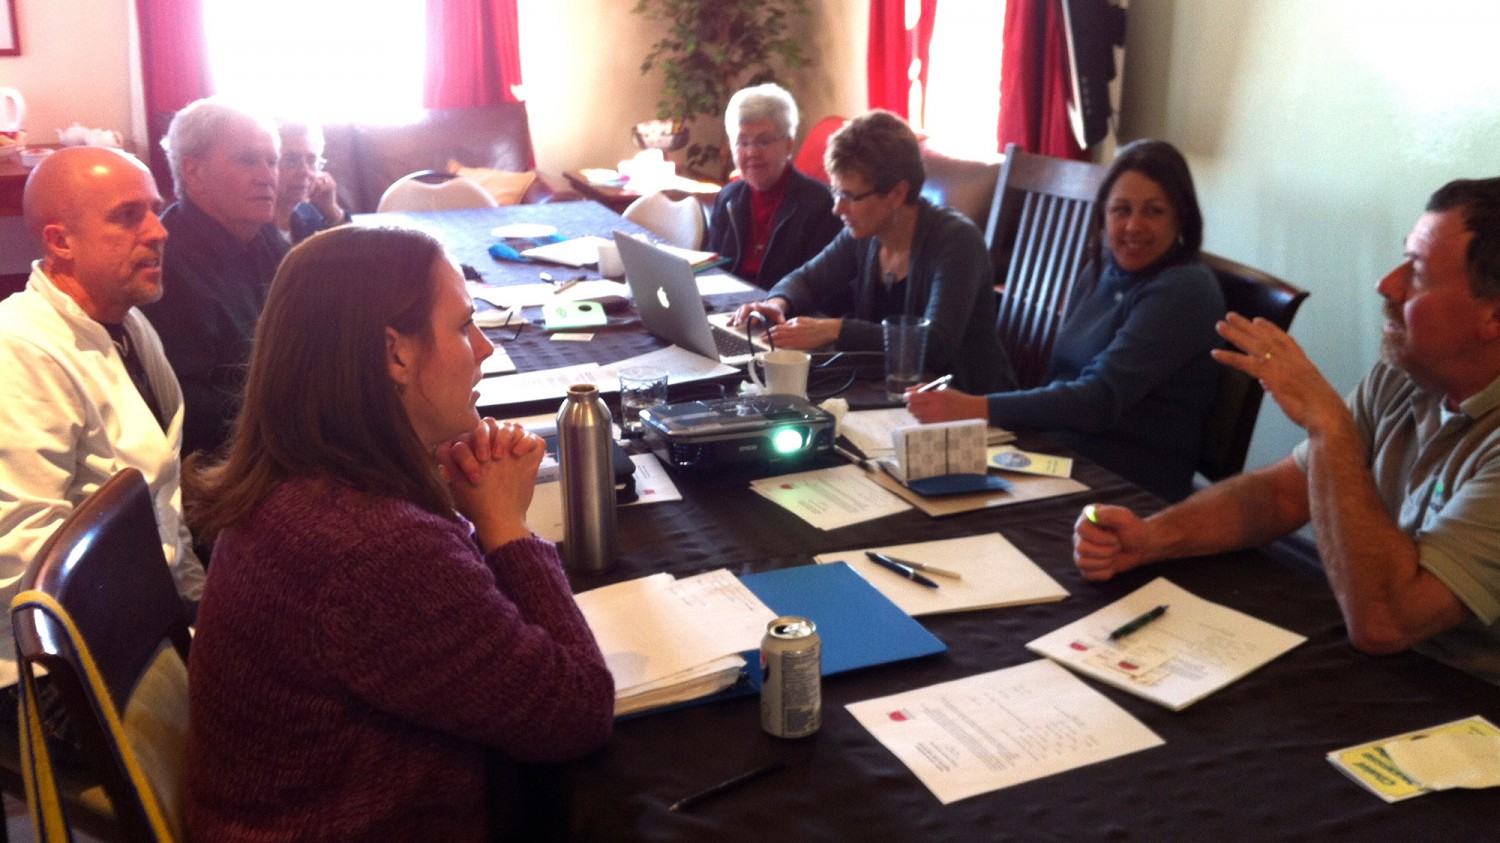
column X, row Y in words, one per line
column 786, row 371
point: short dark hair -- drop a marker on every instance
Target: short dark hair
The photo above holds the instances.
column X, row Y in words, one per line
column 1160, row 162
column 881, row 147
column 1480, row 200
column 319, row 400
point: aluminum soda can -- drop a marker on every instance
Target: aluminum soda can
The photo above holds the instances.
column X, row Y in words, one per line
column 791, row 673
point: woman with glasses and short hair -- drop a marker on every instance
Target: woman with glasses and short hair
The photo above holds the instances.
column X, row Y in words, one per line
column 898, row 255
column 306, row 195
column 773, row 219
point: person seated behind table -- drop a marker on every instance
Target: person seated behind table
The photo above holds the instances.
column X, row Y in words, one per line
column 85, row 390
column 379, row 617
column 223, row 254
column 774, row 218
column 898, row 254
column 1400, row 481
column 306, row 194
column 1131, row 381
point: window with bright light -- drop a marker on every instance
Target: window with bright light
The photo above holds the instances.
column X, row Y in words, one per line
column 320, row 60
column 963, row 82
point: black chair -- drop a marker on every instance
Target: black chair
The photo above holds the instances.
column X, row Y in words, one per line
column 1231, row 420
column 1038, row 226
column 98, row 610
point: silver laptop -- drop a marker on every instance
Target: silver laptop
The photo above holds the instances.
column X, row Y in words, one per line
column 666, row 295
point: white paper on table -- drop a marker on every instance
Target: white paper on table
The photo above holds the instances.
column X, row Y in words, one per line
column 652, row 484
column 1195, row 648
column 997, row 729
column 654, row 627
column 540, row 293
column 994, row 573
column 498, row 363
column 682, row 366
column 870, row 430
column 578, row 251
column 715, row 283
column 1448, row 759
column 829, row 498
column 545, row 517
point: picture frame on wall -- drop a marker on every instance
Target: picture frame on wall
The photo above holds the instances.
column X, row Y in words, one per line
column 10, row 36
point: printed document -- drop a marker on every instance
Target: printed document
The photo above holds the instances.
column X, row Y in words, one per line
column 992, row 573
column 979, row 734
column 1463, row 753
column 829, row 498
column 682, row 365
column 1181, row 656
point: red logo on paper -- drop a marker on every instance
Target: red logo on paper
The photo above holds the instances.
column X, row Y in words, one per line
column 899, row 716
column 1079, row 645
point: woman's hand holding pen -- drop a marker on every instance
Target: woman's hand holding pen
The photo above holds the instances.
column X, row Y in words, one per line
column 942, row 405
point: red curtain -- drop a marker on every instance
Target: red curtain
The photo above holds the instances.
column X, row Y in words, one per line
column 1034, row 80
column 174, row 69
column 890, row 52
column 473, row 53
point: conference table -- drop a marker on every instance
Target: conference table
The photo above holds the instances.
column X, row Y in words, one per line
column 1245, row 763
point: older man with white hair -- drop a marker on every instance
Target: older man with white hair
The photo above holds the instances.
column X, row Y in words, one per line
column 225, row 249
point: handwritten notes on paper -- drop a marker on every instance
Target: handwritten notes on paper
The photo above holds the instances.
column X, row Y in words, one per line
column 1194, row 649
column 997, row 729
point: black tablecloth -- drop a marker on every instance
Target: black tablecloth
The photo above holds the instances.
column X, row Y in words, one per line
column 1246, row 763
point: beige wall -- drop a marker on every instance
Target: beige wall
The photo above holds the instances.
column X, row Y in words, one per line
column 1316, row 130
column 584, row 98
column 75, row 65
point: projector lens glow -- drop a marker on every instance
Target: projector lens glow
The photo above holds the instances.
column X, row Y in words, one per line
column 787, row 440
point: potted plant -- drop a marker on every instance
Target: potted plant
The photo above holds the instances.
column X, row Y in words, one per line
column 711, row 49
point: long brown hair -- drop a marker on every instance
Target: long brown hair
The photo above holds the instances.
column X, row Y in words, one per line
column 319, row 400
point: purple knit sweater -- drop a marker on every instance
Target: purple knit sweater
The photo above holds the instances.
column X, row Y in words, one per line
column 354, row 658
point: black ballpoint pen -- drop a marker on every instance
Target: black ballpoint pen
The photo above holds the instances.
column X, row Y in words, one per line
column 903, row 570
column 1139, row 622
column 744, row 778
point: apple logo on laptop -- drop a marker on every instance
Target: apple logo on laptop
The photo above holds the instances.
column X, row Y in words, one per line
column 661, row 296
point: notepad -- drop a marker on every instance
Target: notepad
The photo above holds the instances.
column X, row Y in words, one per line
column 1192, row 650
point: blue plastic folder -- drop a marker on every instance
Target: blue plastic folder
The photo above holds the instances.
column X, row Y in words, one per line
column 860, row 627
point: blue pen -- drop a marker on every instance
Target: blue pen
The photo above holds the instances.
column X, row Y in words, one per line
column 904, row 570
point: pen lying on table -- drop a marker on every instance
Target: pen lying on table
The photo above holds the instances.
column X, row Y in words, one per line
column 931, row 569
column 904, row 570
column 744, row 778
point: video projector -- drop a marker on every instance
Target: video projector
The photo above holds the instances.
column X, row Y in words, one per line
column 760, row 430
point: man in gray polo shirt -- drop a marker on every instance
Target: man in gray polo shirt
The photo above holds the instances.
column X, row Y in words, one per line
column 1402, row 483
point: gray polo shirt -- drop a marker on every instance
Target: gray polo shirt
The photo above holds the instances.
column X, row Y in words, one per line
column 1439, row 472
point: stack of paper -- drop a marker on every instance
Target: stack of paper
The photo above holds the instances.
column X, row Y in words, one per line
column 1182, row 655
column 872, row 430
column 669, row 641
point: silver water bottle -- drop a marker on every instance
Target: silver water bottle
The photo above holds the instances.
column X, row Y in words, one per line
column 588, row 481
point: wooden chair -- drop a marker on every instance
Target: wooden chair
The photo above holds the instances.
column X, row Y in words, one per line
column 98, row 610
column 434, row 190
column 1231, row 419
column 1038, row 226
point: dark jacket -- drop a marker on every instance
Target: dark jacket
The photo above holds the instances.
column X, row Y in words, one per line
column 804, row 224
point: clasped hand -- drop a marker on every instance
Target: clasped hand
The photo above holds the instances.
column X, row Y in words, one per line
column 491, row 472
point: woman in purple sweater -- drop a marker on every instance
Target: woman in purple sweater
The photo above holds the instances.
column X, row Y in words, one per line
column 379, row 621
